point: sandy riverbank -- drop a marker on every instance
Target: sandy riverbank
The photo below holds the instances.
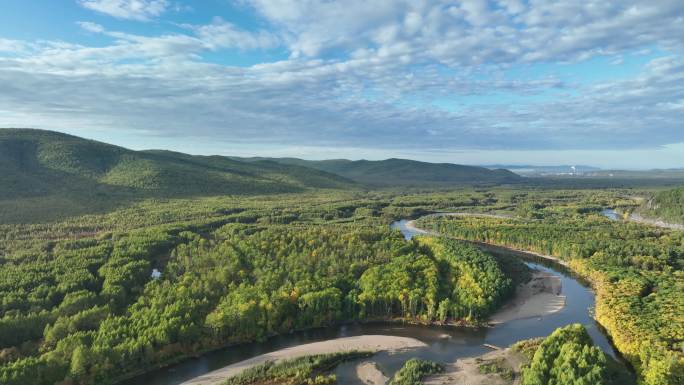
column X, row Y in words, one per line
column 369, row 373
column 467, row 371
column 655, row 222
column 373, row 343
column 411, row 225
column 539, row 297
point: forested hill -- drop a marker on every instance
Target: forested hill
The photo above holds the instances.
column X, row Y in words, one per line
column 404, row 172
column 667, row 205
column 46, row 170
column 48, row 175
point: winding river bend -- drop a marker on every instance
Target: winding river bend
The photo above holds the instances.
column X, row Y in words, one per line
column 444, row 343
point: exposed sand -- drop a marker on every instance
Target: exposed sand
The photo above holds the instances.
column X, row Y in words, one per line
column 467, row 372
column 655, row 222
column 537, row 298
column 369, row 373
column 373, row 343
column 638, row 218
column 411, row 225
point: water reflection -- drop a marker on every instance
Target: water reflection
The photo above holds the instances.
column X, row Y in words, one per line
column 611, row 214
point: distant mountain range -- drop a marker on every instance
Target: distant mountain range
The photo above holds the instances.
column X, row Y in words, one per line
column 42, row 163
column 402, row 172
column 45, row 171
column 46, row 174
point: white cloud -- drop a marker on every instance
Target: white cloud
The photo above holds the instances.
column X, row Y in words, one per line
column 141, row 10
column 91, row 27
column 10, row 45
column 221, row 34
column 390, row 75
column 321, row 104
column 475, row 32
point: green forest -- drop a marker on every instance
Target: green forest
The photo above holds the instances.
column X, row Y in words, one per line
column 341, row 192
column 667, row 205
column 414, row 370
column 79, row 306
column 567, row 357
column 635, row 270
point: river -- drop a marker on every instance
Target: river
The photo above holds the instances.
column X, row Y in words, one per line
column 444, row 343
column 611, row 214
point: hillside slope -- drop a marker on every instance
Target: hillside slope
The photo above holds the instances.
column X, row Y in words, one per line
column 667, row 205
column 67, row 173
column 404, row 172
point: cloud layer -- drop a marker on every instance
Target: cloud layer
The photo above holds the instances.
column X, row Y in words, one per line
column 382, row 75
column 141, row 10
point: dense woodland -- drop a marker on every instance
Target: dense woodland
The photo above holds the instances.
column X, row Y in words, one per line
column 49, row 175
column 667, row 205
column 78, row 304
column 413, row 372
column 567, row 357
column 637, row 272
column 84, row 310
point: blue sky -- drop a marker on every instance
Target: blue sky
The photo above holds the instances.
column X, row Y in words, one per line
column 477, row 82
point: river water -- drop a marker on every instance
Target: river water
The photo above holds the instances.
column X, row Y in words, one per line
column 444, row 343
column 611, row 214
